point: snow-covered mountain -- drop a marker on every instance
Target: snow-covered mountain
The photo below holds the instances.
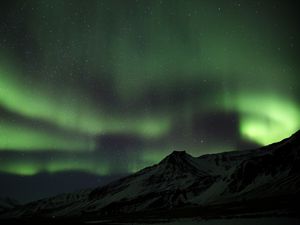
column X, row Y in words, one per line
column 263, row 179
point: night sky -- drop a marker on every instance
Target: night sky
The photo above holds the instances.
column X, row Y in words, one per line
column 110, row 87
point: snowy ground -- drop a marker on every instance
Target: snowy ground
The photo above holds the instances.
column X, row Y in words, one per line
column 260, row 221
column 240, row 221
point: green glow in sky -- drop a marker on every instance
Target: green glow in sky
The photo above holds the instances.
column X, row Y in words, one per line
column 267, row 119
column 25, row 169
column 145, row 78
column 74, row 113
column 29, row 139
column 29, row 168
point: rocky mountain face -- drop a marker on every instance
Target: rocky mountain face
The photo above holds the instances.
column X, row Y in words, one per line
column 264, row 179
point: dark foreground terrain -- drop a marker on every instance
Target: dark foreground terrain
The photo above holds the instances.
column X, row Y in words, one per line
column 253, row 185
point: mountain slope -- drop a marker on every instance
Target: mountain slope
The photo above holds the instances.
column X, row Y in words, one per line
column 263, row 179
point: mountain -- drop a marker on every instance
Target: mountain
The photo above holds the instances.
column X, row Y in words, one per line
column 251, row 182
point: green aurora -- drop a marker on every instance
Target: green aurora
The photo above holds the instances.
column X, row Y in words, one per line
column 114, row 86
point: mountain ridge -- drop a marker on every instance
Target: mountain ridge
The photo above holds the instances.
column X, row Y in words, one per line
column 181, row 181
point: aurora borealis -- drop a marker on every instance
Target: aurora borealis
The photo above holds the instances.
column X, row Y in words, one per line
column 109, row 87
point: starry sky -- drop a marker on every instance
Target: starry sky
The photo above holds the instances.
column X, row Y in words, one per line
column 109, row 87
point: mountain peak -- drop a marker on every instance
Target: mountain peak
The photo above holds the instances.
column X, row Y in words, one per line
column 178, row 153
column 176, row 156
